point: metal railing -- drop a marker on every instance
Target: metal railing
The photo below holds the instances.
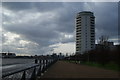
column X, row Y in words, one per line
column 30, row 73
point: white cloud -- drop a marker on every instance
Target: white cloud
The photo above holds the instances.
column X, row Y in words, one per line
column 65, row 48
column 15, row 43
column 10, row 37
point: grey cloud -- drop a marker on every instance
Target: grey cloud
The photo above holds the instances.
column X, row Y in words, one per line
column 106, row 19
column 39, row 6
column 17, row 6
column 40, row 35
column 47, row 6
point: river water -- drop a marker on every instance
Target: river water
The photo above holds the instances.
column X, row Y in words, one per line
column 11, row 61
column 12, row 64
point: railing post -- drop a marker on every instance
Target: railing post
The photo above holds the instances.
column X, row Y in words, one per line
column 40, row 61
column 46, row 64
column 33, row 77
column 43, row 69
column 39, row 71
column 24, row 76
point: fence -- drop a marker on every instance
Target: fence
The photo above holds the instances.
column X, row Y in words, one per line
column 30, row 73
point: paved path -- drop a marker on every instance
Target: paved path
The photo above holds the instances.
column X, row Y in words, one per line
column 63, row 69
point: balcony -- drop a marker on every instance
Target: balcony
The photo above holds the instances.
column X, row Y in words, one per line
column 78, row 25
column 92, row 22
column 92, row 17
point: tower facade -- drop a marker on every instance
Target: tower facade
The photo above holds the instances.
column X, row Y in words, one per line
column 85, row 32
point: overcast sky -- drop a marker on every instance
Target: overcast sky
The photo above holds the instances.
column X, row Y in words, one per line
column 46, row 27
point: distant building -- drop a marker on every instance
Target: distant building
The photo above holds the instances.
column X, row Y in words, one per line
column 7, row 55
column 85, row 32
column 3, row 55
column 11, row 55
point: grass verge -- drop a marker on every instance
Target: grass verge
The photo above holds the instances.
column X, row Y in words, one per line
column 109, row 66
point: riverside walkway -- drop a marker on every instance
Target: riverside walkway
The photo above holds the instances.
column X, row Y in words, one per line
column 62, row 69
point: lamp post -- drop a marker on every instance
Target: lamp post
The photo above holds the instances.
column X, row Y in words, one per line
column 88, row 55
column 52, row 51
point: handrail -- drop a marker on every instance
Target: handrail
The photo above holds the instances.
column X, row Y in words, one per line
column 4, row 75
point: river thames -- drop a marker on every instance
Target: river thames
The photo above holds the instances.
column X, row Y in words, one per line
column 13, row 64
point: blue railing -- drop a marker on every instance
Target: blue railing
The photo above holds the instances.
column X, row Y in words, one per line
column 30, row 73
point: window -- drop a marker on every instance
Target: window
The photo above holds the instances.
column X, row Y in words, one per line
column 92, row 22
column 78, row 36
column 78, row 44
column 77, row 39
column 78, row 25
column 79, row 20
column 92, row 33
column 92, row 36
column 92, row 30
column 78, row 33
column 78, row 17
column 77, row 47
column 92, row 44
column 78, row 30
column 92, row 39
column 92, row 25
column 92, row 17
